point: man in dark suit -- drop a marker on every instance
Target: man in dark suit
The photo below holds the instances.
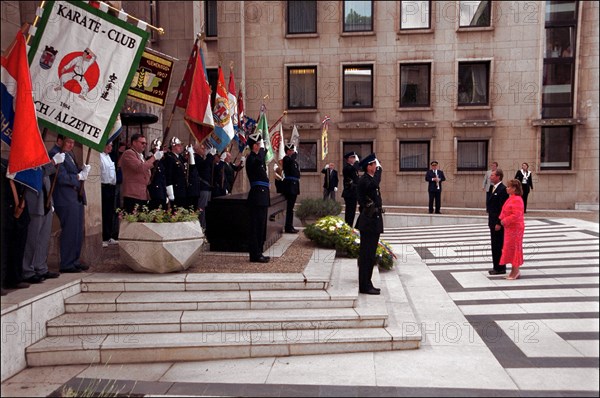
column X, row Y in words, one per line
column 330, row 181
column 259, row 198
column 291, row 185
column 69, row 201
column 435, row 177
column 370, row 222
column 498, row 196
column 350, row 173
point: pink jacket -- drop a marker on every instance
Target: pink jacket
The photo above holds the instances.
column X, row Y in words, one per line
column 136, row 175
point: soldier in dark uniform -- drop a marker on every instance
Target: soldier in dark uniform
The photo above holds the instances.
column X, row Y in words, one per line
column 291, row 185
column 204, row 164
column 193, row 179
column 218, row 178
column 157, row 189
column 175, row 174
column 259, row 198
column 370, row 222
column 350, row 173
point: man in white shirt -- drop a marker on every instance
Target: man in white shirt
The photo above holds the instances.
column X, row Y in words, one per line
column 108, row 180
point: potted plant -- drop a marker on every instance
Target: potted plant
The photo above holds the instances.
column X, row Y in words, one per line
column 310, row 210
column 159, row 241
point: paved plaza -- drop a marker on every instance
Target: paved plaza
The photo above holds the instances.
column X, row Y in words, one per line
column 481, row 335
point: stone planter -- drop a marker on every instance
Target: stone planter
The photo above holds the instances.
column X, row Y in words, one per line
column 159, row 247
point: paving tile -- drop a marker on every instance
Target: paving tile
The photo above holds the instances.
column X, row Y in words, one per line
column 547, row 379
column 244, row 370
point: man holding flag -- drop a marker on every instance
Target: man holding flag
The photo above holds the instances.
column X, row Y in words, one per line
column 291, row 185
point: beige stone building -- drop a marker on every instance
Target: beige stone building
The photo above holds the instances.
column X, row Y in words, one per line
column 461, row 82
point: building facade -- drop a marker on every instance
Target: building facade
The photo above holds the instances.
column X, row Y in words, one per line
column 464, row 83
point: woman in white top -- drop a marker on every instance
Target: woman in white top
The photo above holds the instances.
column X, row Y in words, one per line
column 526, row 178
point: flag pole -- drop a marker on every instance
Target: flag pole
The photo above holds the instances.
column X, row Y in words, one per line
column 170, row 121
column 277, row 122
column 35, row 21
column 160, row 31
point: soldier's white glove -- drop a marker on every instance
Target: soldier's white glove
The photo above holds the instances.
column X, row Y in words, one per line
column 335, row 189
column 158, row 155
column 191, row 157
column 327, row 166
column 357, row 158
column 58, row 158
column 377, row 164
column 83, row 175
column 262, row 144
column 223, row 156
column 87, row 168
column 275, row 167
column 170, row 193
column 212, row 151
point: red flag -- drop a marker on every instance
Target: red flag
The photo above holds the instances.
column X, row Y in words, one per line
column 198, row 113
column 27, row 147
column 240, row 103
column 184, row 90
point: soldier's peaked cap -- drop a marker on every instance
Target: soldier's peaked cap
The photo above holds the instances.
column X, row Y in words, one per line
column 366, row 161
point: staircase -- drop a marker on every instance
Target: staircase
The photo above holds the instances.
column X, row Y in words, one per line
column 131, row 318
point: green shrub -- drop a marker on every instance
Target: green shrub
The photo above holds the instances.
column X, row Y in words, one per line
column 160, row 215
column 333, row 232
column 317, row 208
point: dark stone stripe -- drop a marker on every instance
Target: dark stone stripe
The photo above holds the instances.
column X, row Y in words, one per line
column 141, row 388
column 529, row 300
column 579, row 335
column 593, row 233
column 527, row 261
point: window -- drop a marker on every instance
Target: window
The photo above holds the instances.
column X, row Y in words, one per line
column 358, row 16
column 414, row 155
column 556, row 148
column 301, row 17
column 559, row 59
column 307, row 156
column 475, row 14
column 414, row 84
column 415, row 15
column 358, row 86
column 302, row 87
column 472, row 155
column 361, row 148
column 210, row 15
column 473, row 83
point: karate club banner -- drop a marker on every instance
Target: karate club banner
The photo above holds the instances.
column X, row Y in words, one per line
column 82, row 61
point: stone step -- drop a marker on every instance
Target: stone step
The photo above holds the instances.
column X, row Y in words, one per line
column 209, row 300
column 201, row 346
column 131, row 323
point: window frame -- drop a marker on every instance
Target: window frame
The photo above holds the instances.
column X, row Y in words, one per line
column 569, row 146
column 372, row 97
column 209, row 19
column 289, row 87
column 482, row 165
column 414, row 63
column 287, row 19
column 414, row 142
column 557, row 61
column 463, row 62
column 345, row 30
column 401, row 29
column 477, row 27
column 302, row 156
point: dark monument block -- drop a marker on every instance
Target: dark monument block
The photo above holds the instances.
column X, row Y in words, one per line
column 227, row 222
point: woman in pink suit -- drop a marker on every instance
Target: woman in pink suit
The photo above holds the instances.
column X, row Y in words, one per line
column 512, row 219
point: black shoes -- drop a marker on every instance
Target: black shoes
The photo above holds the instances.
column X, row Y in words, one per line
column 372, row 290
column 261, row 259
column 70, row 270
column 34, row 279
column 496, row 272
column 82, row 266
column 50, row 275
column 291, row 230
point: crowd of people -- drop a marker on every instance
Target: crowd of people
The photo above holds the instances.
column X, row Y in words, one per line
column 177, row 176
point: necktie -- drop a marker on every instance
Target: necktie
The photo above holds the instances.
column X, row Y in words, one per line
column 491, row 190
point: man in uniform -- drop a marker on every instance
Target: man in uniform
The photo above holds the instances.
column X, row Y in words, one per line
column 175, row 174
column 370, row 222
column 291, row 185
column 259, row 198
column 350, row 173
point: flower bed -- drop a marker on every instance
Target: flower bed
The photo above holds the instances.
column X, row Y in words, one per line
column 333, row 232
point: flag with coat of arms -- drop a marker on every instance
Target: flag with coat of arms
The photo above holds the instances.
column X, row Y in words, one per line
column 222, row 112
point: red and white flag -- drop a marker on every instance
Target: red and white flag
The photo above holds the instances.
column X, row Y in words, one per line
column 198, row 113
column 27, row 147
